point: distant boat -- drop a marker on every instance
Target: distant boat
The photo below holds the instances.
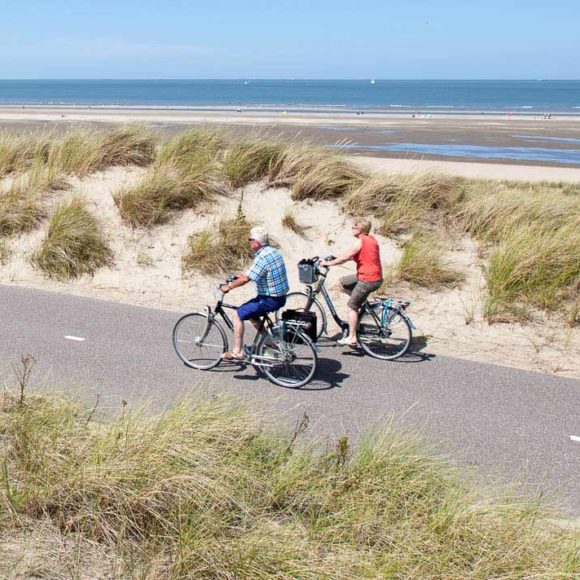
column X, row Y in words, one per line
column 372, row 81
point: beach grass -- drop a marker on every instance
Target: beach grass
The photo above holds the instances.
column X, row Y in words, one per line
column 247, row 160
column 210, row 489
column 330, row 177
column 164, row 191
column 423, row 264
column 77, row 151
column 74, row 244
column 403, row 203
column 290, row 222
column 188, row 150
column 221, row 249
column 21, row 204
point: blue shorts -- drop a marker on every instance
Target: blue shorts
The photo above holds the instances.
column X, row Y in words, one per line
column 260, row 305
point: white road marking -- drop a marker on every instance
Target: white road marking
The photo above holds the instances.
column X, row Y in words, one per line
column 77, row 338
column 575, row 438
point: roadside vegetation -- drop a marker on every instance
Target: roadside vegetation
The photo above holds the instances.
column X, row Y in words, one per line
column 74, row 244
column 208, row 489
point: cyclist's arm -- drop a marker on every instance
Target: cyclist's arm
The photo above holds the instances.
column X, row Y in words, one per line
column 346, row 257
column 241, row 280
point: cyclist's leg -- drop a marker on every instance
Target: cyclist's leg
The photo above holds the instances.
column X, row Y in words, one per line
column 360, row 293
column 246, row 311
column 346, row 284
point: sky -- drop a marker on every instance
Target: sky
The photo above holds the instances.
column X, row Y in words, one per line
column 316, row 39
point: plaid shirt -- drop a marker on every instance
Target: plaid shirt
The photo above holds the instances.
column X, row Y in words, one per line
column 269, row 272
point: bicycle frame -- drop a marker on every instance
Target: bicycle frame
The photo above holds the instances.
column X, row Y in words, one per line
column 220, row 308
column 343, row 324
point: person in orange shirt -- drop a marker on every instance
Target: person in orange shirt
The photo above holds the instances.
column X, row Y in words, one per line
column 368, row 277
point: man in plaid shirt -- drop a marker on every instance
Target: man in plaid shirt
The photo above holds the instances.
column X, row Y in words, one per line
column 268, row 271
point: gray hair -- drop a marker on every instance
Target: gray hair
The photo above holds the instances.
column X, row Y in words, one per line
column 260, row 234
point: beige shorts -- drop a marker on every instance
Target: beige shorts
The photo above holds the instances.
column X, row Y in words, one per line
column 359, row 290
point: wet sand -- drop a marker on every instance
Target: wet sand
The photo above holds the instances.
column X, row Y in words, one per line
column 362, row 132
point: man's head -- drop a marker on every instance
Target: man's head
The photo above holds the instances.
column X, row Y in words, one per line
column 258, row 238
column 361, row 226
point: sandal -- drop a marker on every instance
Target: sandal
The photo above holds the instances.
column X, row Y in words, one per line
column 346, row 341
column 233, row 356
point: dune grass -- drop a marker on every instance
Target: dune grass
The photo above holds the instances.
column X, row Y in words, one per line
column 403, row 203
column 423, row 264
column 77, row 151
column 222, row 249
column 21, row 205
column 164, row 191
column 187, row 151
column 207, row 490
column 247, row 160
column 290, row 222
column 74, row 243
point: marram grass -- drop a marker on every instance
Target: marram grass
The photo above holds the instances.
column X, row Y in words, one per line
column 423, row 264
column 207, row 489
column 164, row 191
column 218, row 250
column 74, row 244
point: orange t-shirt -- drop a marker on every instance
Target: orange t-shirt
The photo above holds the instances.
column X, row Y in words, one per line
column 368, row 260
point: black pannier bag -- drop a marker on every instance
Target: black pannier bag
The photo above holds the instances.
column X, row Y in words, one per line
column 307, row 271
column 308, row 326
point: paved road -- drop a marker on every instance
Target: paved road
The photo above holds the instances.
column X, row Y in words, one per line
column 510, row 423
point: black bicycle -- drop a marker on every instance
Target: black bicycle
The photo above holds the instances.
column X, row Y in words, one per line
column 281, row 350
column 385, row 330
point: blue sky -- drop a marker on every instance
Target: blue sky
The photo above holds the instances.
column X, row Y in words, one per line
column 289, row 39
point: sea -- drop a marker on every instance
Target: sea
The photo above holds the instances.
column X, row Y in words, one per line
column 528, row 97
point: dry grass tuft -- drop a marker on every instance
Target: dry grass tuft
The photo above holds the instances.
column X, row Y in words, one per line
column 4, row 252
column 423, row 264
column 192, row 149
column 219, row 250
column 74, row 244
column 289, row 222
column 76, row 152
column 406, row 203
column 83, row 152
column 21, row 207
column 205, row 490
column 246, row 161
column 533, row 266
column 163, row 192
column 326, row 176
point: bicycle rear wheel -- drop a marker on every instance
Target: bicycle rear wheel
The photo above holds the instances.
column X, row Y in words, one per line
column 288, row 363
column 298, row 301
column 196, row 344
column 385, row 338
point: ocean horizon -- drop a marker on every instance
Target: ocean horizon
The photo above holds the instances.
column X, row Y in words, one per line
column 527, row 97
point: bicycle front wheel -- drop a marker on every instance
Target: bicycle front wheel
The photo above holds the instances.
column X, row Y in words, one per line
column 199, row 343
column 385, row 338
column 288, row 363
column 298, row 301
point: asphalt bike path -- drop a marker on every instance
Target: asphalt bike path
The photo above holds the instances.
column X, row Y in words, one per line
column 510, row 424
